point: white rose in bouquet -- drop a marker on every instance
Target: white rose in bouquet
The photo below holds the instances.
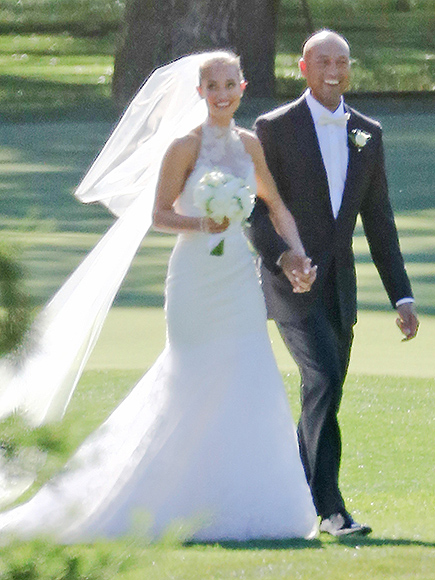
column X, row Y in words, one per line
column 219, row 195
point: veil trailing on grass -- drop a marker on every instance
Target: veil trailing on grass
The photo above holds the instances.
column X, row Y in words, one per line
column 123, row 178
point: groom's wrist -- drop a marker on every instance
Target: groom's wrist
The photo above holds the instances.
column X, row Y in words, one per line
column 279, row 260
column 407, row 300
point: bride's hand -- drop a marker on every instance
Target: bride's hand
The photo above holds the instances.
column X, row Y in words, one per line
column 299, row 270
column 209, row 226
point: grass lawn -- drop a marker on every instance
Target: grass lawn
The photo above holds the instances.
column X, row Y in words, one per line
column 387, row 478
column 387, row 413
column 55, row 74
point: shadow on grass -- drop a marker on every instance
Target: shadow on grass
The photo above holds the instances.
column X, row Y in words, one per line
column 290, row 544
column 315, row 544
column 383, row 542
column 427, row 257
column 367, row 306
column 33, row 100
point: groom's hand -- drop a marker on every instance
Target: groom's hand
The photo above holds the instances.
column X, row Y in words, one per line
column 299, row 270
column 407, row 320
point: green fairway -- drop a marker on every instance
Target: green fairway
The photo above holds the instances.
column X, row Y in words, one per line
column 41, row 164
column 387, row 479
column 387, row 414
column 387, row 476
column 134, row 333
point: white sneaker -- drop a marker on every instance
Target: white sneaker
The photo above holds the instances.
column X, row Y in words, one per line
column 343, row 525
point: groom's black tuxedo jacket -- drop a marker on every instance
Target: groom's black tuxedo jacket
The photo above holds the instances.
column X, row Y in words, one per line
column 293, row 155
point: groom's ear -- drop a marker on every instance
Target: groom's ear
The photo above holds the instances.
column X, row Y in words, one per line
column 302, row 66
column 200, row 93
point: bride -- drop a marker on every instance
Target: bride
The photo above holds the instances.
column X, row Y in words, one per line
column 205, row 442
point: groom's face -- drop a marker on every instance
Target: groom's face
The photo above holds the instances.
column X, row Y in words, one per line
column 326, row 67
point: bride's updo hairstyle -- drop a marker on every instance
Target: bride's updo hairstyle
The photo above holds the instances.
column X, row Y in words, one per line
column 219, row 57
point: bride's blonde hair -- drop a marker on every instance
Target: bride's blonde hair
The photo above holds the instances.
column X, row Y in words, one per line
column 221, row 57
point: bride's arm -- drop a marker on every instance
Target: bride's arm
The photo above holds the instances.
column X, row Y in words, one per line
column 295, row 258
column 177, row 165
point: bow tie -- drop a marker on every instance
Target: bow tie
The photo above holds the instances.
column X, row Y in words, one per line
column 340, row 121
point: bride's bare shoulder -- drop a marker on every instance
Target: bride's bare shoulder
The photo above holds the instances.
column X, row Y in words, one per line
column 186, row 147
column 189, row 142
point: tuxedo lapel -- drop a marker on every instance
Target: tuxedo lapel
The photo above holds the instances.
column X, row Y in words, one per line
column 354, row 167
column 307, row 140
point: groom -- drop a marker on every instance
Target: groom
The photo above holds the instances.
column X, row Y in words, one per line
column 327, row 161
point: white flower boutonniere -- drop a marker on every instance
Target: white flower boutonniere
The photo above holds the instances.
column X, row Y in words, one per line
column 359, row 138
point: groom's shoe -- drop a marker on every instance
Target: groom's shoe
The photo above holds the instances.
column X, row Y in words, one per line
column 342, row 524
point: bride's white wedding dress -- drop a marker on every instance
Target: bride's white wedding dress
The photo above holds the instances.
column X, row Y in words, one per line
column 206, row 438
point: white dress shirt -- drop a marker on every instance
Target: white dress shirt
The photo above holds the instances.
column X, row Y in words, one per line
column 333, row 147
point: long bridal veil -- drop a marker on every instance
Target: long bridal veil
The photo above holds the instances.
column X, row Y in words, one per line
column 123, row 178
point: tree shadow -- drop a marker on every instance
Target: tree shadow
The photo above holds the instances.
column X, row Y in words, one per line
column 36, row 100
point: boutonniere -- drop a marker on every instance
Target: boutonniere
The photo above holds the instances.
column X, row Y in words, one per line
column 359, row 138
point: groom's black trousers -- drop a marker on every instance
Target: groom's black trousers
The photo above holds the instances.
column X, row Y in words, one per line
column 321, row 348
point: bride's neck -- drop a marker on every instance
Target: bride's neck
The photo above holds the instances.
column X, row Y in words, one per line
column 222, row 124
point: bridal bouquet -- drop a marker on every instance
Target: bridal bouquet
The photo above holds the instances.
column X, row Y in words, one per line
column 220, row 195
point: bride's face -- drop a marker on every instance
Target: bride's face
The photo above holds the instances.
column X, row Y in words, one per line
column 222, row 89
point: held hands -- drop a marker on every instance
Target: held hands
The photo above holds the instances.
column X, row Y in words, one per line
column 209, row 226
column 407, row 320
column 299, row 270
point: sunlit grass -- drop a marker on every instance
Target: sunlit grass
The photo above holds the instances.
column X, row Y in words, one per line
column 387, row 479
column 59, row 44
column 43, row 75
column 76, row 70
column 298, row 560
column 57, row 58
column 81, row 16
